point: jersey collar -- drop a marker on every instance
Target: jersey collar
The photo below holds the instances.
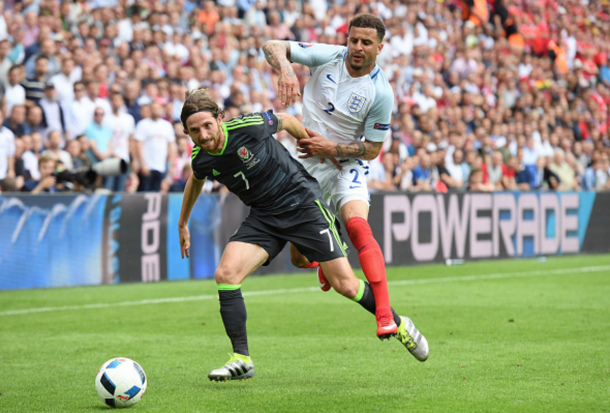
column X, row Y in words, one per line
column 224, row 146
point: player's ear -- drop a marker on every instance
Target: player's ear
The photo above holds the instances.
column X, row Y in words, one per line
column 380, row 48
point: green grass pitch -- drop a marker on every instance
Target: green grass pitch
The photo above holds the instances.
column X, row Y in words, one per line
column 513, row 335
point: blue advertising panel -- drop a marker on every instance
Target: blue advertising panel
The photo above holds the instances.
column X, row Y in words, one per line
column 64, row 240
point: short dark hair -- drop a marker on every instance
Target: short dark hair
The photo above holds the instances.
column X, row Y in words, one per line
column 369, row 21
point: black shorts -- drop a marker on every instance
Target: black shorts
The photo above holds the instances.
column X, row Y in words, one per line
column 312, row 228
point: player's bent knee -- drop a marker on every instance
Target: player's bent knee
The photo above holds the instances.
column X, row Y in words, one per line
column 225, row 275
column 347, row 288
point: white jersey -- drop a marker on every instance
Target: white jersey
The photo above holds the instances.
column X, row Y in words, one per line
column 338, row 106
column 342, row 109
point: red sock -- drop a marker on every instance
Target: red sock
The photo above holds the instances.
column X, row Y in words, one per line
column 313, row 264
column 371, row 260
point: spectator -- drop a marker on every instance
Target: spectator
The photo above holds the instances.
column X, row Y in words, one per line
column 5, row 62
column 566, row 174
column 405, row 175
column 20, row 172
column 183, row 156
column 7, row 151
column 30, row 160
column 17, row 54
column 79, row 111
column 34, row 121
column 47, row 182
column 455, row 170
column 52, row 112
column 92, row 88
column 475, row 181
column 180, row 184
column 384, row 179
column 494, row 171
column 131, row 101
column 14, row 92
column 86, row 152
column 509, row 173
column 16, row 122
column 523, row 174
column 47, row 50
column 155, row 139
column 422, row 176
column 122, row 127
column 442, row 177
column 35, row 84
column 54, row 150
column 79, row 159
column 99, row 136
column 64, row 81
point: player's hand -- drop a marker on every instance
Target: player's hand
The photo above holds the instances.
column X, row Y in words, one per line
column 315, row 145
column 144, row 170
column 333, row 160
column 185, row 240
column 288, row 87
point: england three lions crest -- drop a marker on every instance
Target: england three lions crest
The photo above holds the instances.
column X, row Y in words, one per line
column 355, row 103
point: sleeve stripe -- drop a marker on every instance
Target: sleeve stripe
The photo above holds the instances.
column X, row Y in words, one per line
column 243, row 125
column 244, row 119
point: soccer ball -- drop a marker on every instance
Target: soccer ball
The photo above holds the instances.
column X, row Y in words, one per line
column 120, row 382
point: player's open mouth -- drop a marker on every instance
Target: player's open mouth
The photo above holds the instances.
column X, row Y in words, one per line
column 205, row 142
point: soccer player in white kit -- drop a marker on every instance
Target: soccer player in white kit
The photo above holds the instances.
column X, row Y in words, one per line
column 347, row 107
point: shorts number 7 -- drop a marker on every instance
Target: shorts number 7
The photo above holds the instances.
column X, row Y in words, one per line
column 330, row 239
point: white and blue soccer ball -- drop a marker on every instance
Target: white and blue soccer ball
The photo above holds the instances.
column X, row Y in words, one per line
column 120, row 382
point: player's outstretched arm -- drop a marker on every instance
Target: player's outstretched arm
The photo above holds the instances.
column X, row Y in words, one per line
column 277, row 54
column 317, row 145
column 191, row 193
column 291, row 125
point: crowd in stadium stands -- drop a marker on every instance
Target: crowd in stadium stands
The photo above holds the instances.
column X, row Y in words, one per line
column 490, row 94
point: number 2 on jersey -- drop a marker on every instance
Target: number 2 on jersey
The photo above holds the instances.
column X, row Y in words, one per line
column 244, row 178
column 331, row 108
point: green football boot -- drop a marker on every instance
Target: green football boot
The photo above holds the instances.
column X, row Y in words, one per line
column 412, row 339
column 239, row 367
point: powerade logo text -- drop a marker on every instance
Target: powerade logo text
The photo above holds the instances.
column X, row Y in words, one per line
column 151, row 238
column 482, row 225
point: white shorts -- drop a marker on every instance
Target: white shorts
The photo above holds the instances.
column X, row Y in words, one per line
column 340, row 186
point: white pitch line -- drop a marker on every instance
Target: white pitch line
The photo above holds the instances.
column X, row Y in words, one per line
column 311, row 289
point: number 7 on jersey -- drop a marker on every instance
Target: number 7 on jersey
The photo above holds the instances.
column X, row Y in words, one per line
column 244, row 178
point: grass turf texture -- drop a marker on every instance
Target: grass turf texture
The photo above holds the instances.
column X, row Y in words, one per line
column 527, row 343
